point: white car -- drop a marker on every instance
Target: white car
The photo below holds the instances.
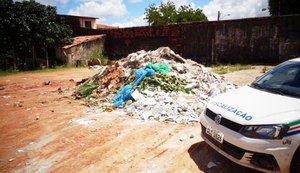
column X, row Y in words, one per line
column 258, row 125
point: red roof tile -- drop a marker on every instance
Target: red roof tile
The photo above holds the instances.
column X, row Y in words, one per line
column 82, row 39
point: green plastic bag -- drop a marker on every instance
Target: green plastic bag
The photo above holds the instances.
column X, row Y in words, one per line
column 161, row 68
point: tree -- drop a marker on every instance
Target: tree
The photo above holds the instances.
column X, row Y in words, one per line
column 284, row 7
column 166, row 13
column 6, row 17
column 188, row 14
column 26, row 26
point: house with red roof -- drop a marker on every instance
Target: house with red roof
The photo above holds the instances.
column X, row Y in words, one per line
column 88, row 39
column 82, row 50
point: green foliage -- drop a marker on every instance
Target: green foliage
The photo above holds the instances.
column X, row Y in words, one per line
column 223, row 69
column 167, row 13
column 27, row 25
column 87, row 89
column 284, row 7
column 188, row 14
column 165, row 83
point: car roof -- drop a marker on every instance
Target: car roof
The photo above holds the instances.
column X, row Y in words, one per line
column 295, row 59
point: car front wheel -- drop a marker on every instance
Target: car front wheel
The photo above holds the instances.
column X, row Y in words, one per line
column 295, row 167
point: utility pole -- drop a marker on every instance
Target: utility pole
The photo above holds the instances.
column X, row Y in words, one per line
column 220, row 17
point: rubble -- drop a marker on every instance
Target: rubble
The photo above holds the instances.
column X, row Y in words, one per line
column 176, row 90
column 183, row 138
column 47, row 82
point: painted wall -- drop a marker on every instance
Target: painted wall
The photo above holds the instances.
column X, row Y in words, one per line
column 93, row 23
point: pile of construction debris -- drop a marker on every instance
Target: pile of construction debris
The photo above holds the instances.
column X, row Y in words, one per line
column 157, row 85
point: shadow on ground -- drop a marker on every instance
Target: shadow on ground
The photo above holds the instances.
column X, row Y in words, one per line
column 210, row 161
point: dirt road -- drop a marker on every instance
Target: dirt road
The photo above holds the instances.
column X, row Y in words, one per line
column 43, row 129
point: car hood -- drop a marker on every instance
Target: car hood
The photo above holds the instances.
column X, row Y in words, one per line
column 248, row 105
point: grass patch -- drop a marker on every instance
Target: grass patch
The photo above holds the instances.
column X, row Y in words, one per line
column 57, row 68
column 8, row 72
column 223, row 69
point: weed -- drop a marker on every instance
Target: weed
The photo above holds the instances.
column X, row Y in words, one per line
column 223, row 69
column 265, row 69
column 98, row 54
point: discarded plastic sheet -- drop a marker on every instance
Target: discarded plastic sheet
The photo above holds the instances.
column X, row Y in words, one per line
column 124, row 94
column 140, row 74
column 162, row 68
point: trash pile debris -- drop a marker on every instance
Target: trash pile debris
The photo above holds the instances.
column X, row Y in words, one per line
column 159, row 85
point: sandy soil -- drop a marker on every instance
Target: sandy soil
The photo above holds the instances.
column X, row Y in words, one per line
column 43, row 129
column 245, row 77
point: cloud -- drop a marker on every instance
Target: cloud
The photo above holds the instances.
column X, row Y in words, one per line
column 179, row 3
column 52, row 2
column 100, row 9
column 233, row 9
column 135, row 1
column 139, row 21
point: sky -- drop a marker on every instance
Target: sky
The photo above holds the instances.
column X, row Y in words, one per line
column 130, row 13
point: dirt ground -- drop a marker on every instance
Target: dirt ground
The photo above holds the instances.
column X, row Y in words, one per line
column 43, row 129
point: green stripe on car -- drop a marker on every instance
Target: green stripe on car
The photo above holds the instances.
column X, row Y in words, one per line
column 294, row 123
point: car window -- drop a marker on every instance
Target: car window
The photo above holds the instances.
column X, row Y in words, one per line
column 283, row 79
column 282, row 76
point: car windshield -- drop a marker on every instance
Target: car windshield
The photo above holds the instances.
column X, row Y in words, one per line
column 284, row 79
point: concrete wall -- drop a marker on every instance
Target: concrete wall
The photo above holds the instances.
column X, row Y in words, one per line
column 246, row 41
column 266, row 40
column 289, row 37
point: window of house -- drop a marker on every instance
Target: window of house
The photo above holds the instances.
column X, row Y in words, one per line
column 88, row 24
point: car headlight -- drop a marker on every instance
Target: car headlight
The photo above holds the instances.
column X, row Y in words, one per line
column 264, row 131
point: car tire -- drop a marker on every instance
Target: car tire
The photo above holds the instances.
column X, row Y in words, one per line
column 295, row 167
